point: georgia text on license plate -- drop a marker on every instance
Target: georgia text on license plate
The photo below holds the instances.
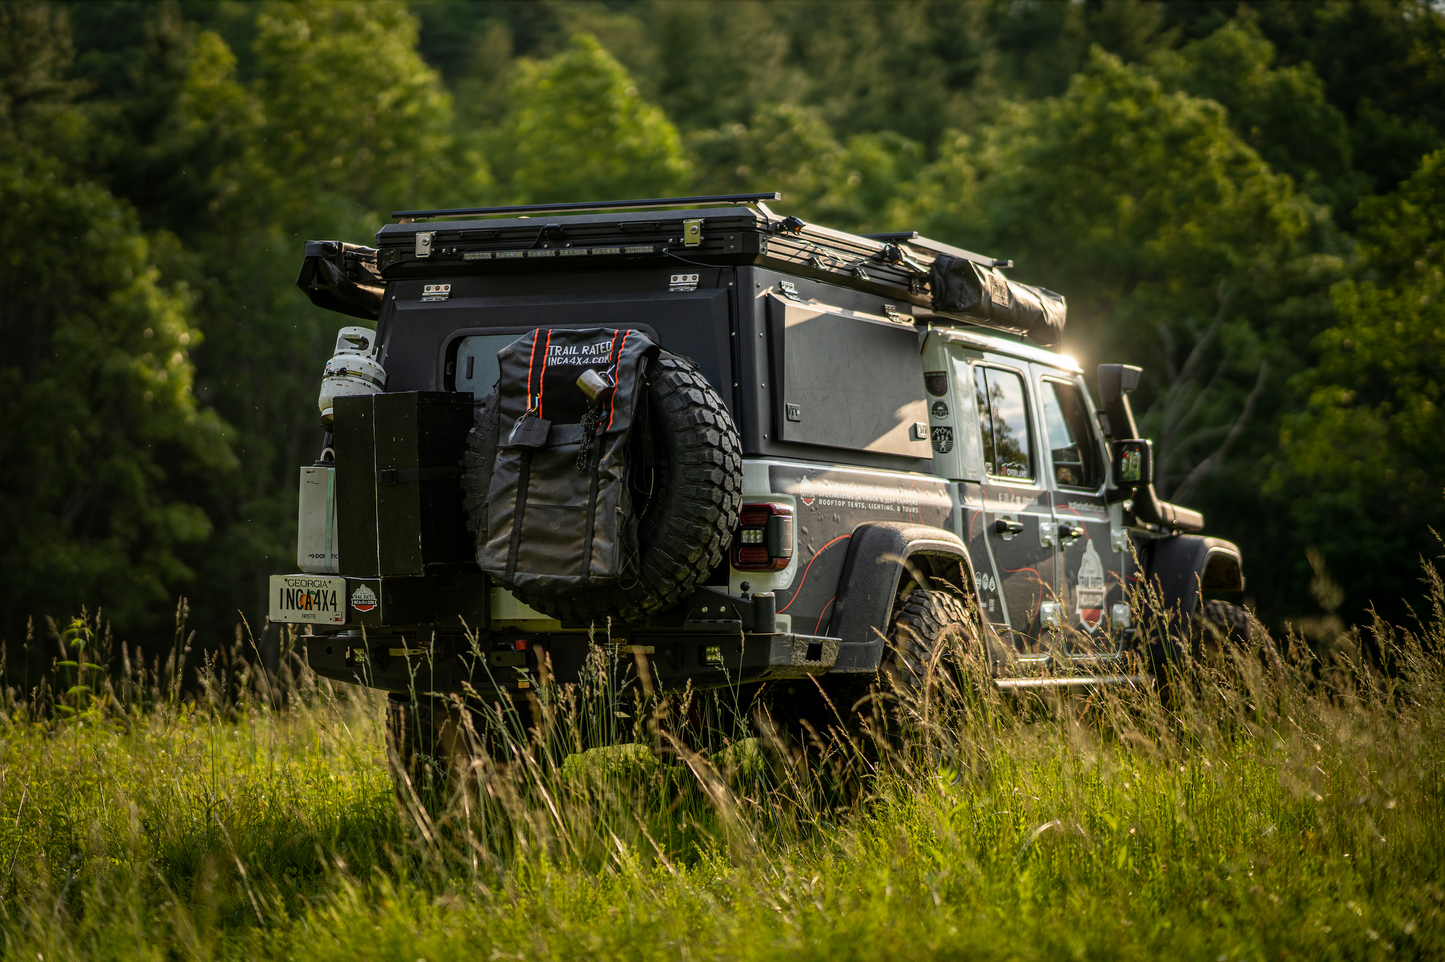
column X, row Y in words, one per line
column 312, row 599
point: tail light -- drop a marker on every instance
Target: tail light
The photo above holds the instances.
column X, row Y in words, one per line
column 764, row 541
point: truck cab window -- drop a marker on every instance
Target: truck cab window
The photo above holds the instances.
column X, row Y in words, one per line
column 477, row 369
column 1073, row 447
column 1003, row 414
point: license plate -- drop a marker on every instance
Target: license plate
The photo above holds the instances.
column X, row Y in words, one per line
column 308, row 599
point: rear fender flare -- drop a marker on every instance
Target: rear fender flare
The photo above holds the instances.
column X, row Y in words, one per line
column 878, row 554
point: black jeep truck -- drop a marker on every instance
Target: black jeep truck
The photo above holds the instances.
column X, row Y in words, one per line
column 831, row 433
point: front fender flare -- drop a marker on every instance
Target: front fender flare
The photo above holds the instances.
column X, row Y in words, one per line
column 877, row 556
column 1181, row 565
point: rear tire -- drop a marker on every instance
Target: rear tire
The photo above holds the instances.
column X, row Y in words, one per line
column 930, row 636
column 930, row 633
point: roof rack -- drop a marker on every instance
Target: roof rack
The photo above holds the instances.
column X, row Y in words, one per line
column 595, row 205
column 936, row 247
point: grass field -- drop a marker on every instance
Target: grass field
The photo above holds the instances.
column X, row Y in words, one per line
column 1296, row 811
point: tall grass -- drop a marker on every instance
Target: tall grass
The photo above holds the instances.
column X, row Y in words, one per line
column 1269, row 809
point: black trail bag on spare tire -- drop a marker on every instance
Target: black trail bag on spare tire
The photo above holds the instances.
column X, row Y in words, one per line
column 682, row 465
column 559, row 512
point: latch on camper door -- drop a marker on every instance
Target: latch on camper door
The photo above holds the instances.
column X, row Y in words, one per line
column 692, row 232
column 423, row 242
column 790, row 291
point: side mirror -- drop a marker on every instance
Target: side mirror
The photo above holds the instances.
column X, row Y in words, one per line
column 1134, row 463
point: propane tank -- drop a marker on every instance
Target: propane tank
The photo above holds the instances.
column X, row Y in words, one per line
column 353, row 370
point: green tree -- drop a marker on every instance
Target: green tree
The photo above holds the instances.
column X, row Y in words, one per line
column 350, row 109
column 104, row 442
column 1281, row 112
column 1361, row 466
column 338, row 121
column 36, row 94
column 348, row 122
column 1382, row 64
column 578, row 130
column 793, row 150
column 1173, row 240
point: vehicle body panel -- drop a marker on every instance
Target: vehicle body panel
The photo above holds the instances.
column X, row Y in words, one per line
column 882, row 426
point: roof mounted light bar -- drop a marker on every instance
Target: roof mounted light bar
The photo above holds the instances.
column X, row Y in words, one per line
column 594, row 205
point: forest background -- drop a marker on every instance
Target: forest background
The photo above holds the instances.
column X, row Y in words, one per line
column 1248, row 199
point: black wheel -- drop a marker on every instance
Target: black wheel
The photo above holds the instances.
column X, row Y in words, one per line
column 931, row 632
column 687, row 481
column 935, row 647
column 421, row 748
column 1215, row 632
column 1220, row 627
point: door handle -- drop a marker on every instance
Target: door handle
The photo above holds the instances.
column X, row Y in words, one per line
column 1008, row 528
column 1070, row 532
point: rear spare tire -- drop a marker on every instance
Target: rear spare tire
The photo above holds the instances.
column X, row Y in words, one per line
column 686, row 472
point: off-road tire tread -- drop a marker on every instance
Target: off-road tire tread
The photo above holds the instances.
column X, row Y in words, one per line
column 918, row 627
column 1234, row 627
column 1232, row 622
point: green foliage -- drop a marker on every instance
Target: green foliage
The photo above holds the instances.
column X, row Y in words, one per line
column 1177, row 171
column 1281, row 112
column 350, row 108
column 578, row 130
column 35, row 94
column 793, row 150
column 103, row 436
column 1273, row 812
column 1362, row 462
column 1172, row 238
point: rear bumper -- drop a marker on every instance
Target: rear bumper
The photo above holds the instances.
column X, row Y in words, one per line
column 672, row 661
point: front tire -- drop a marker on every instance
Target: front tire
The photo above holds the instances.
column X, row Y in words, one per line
column 1221, row 629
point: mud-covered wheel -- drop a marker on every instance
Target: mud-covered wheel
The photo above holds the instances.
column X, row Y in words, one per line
column 687, row 482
